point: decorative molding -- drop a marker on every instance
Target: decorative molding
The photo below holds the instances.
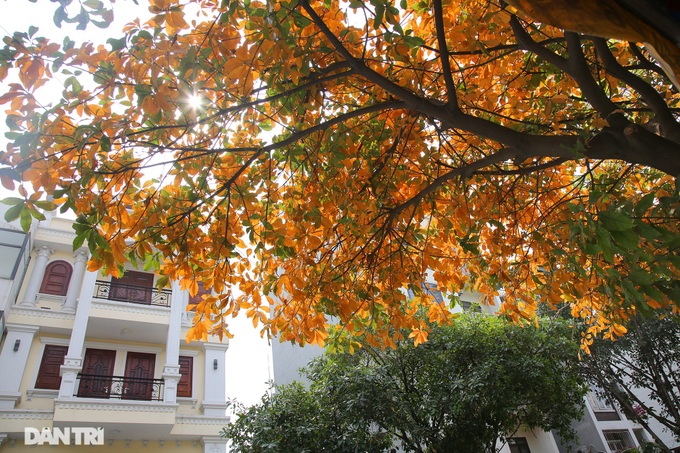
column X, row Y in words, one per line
column 216, row 346
column 53, row 340
column 189, row 352
column 13, row 398
column 26, row 414
column 214, row 405
column 93, row 404
column 41, row 297
column 12, row 327
column 201, row 420
column 55, row 233
column 41, row 393
column 40, row 312
column 128, row 307
column 187, row 400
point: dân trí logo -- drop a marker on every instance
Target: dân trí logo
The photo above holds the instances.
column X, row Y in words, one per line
column 65, row 436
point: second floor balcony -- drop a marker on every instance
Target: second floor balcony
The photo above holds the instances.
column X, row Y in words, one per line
column 134, row 294
column 119, row 387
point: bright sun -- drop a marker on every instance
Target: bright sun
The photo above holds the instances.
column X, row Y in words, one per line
column 195, row 101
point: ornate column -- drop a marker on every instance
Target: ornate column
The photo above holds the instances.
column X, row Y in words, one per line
column 73, row 362
column 76, row 281
column 171, row 368
column 34, row 282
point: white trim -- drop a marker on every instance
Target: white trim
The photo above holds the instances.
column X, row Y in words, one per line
column 189, row 352
column 216, row 346
column 53, row 232
column 11, row 327
column 41, row 312
column 26, row 414
column 101, row 404
column 129, row 307
column 201, row 420
column 52, row 340
column 41, row 393
column 187, row 400
column 44, row 297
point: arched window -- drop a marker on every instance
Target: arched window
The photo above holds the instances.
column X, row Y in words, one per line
column 56, row 279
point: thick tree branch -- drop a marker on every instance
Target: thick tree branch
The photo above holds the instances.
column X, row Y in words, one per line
column 579, row 70
column 444, row 56
column 652, row 98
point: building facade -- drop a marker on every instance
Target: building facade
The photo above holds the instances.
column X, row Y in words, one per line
column 84, row 350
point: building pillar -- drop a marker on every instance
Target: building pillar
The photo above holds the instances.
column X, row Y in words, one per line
column 214, row 444
column 37, row 275
column 73, row 362
column 14, row 357
column 215, row 376
column 76, row 282
column 171, row 368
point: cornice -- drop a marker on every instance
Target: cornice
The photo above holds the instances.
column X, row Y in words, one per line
column 201, row 420
column 23, row 414
column 121, row 406
column 40, row 312
column 54, row 232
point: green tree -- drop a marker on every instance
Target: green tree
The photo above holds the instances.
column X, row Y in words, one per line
column 640, row 372
column 473, row 382
column 294, row 419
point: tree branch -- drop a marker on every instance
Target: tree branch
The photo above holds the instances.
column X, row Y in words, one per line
column 651, row 97
column 444, row 56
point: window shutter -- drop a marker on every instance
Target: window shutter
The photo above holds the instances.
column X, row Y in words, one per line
column 186, row 369
column 56, row 279
column 48, row 374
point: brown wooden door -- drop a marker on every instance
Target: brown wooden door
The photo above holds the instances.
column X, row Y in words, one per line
column 139, row 369
column 96, row 377
column 135, row 287
column 48, row 374
column 186, row 369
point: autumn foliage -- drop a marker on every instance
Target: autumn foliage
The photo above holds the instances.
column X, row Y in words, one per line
column 317, row 158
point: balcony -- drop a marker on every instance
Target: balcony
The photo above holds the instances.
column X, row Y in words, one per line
column 119, row 387
column 129, row 312
column 132, row 294
column 119, row 404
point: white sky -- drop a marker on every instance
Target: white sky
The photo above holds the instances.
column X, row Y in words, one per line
column 248, row 357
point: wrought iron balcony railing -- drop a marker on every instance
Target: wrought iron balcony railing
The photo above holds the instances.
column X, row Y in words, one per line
column 132, row 294
column 120, row 387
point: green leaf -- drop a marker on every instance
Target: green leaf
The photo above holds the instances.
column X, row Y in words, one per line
column 627, row 239
column 116, row 44
column 14, row 212
column 37, row 214
column 615, row 221
column 644, row 204
column 46, row 205
column 105, row 143
column 379, row 14
column 78, row 241
column 25, row 219
column 301, row 21
column 12, row 201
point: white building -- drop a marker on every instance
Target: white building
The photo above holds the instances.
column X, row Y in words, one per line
column 83, row 350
